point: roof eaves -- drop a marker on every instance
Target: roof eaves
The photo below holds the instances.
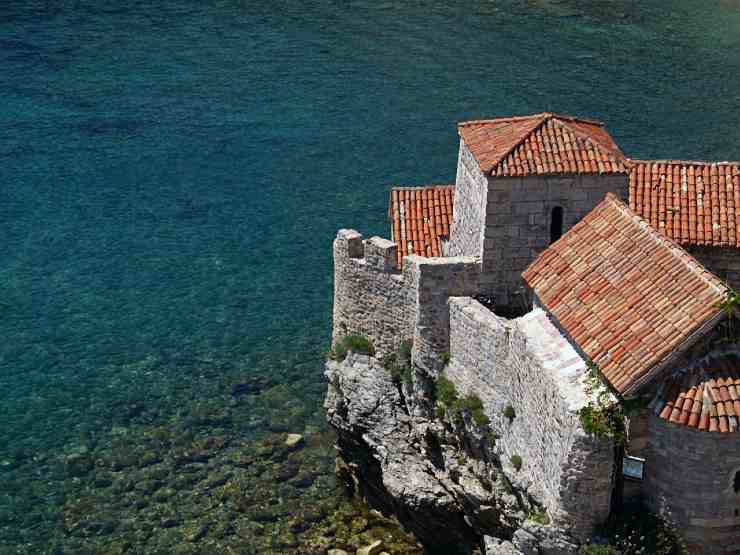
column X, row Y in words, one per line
column 658, row 368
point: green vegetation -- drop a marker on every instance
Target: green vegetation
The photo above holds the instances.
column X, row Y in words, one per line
column 474, row 406
column 516, row 462
column 634, row 530
column 355, row 343
column 444, row 357
column 399, row 363
column 449, row 401
column 603, row 417
column 446, row 392
column 729, row 307
column 510, row 413
column 539, row 515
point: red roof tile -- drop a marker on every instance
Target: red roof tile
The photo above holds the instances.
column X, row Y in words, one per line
column 542, row 144
column 706, row 397
column 625, row 294
column 693, row 203
column 420, row 218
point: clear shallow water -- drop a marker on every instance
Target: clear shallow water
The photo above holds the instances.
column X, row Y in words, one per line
column 172, row 175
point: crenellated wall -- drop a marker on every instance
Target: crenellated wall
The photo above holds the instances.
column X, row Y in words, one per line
column 567, row 471
column 372, row 298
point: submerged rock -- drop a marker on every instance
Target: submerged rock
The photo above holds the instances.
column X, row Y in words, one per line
column 293, row 441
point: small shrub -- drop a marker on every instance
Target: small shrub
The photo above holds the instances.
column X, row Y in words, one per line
column 404, row 351
column 491, row 437
column 539, row 515
column 473, row 405
column 516, row 462
column 440, row 411
column 446, row 392
column 354, row 343
column 399, row 364
column 445, row 358
column 510, row 413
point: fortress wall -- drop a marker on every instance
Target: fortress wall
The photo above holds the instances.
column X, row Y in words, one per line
column 518, row 217
column 471, row 189
column 371, row 297
column 567, row 471
column 436, row 280
column 691, row 473
column 374, row 299
column 724, row 262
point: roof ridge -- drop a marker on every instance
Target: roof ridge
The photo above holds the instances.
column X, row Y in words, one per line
column 696, row 267
column 584, row 136
column 545, row 115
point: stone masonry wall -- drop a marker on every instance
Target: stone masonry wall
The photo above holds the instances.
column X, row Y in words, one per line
column 471, row 189
column 374, row 299
column 518, row 217
column 436, row 280
column 724, row 262
column 371, row 297
column 691, row 473
column 567, row 471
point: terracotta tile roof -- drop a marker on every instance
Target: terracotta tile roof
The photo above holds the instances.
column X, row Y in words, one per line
column 706, row 397
column 542, row 144
column 420, row 217
column 626, row 295
column 693, row 203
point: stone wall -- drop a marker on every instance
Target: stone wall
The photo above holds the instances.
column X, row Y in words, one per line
column 374, row 299
column 518, row 217
column 724, row 262
column 567, row 471
column 469, row 215
column 691, row 474
column 371, row 297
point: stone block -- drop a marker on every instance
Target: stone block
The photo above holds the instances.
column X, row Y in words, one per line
column 381, row 253
column 353, row 240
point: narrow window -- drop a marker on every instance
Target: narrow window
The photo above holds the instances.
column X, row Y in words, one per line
column 736, row 483
column 556, row 224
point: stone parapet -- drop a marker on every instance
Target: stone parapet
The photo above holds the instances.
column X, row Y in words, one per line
column 374, row 299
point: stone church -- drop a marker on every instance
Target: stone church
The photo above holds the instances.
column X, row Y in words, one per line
column 632, row 262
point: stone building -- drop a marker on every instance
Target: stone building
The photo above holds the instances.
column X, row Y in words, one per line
column 521, row 182
column 604, row 263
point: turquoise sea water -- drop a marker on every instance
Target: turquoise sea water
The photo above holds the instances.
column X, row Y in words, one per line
column 171, row 177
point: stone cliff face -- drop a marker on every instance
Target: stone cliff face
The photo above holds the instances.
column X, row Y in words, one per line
column 440, row 477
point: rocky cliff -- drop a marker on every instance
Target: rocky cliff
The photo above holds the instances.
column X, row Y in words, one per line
column 440, row 475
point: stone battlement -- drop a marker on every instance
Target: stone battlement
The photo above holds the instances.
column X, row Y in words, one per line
column 374, row 298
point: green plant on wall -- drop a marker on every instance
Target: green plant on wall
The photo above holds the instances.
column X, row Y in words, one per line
column 398, row 364
column 516, row 462
column 450, row 402
column 509, row 413
column 603, row 417
column 729, row 307
column 351, row 343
